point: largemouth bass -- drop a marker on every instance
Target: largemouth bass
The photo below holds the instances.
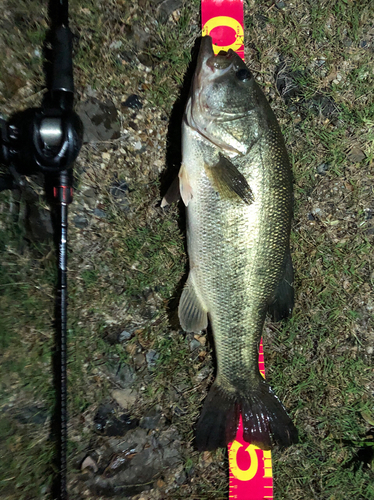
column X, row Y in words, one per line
column 236, row 182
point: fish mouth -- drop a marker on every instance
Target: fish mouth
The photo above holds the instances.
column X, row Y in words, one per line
column 210, row 68
column 209, row 64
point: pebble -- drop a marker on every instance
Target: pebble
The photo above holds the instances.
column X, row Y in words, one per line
column 100, row 120
column 203, row 374
column 99, row 213
column 80, row 222
column 323, row 168
column 194, row 344
column 133, row 102
column 90, row 197
column 88, row 462
column 151, row 357
column 125, row 335
column 356, row 155
column 117, row 44
column 124, row 397
column 139, row 360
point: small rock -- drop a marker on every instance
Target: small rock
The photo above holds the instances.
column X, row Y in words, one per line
column 151, row 357
column 90, row 197
column 117, row 44
column 124, row 375
column 107, row 423
column 194, row 344
column 99, row 213
column 103, row 413
column 133, row 102
column 38, row 223
column 356, row 155
column 119, row 426
column 137, row 460
column 203, row 374
column 145, row 60
column 368, row 213
column 280, row 5
column 323, row 168
column 139, row 359
column 80, row 221
column 125, row 335
column 100, row 120
column 124, row 397
column 88, row 462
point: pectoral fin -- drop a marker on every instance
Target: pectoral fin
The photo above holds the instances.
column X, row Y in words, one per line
column 228, row 181
column 184, row 185
column 192, row 316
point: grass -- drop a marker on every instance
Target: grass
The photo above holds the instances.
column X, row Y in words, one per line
column 125, row 268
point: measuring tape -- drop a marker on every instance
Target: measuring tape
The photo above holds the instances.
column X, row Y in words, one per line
column 251, row 473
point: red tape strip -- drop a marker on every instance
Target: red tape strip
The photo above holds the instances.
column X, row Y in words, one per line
column 251, row 474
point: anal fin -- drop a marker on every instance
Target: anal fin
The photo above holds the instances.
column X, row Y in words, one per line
column 192, row 316
column 283, row 302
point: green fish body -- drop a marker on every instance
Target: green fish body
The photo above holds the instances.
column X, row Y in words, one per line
column 236, row 183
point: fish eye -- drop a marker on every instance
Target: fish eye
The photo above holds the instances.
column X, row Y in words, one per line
column 244, row 74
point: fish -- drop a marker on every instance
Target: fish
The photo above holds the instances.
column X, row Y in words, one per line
column 235, row 180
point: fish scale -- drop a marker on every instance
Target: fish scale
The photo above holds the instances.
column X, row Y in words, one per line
column 225, row 239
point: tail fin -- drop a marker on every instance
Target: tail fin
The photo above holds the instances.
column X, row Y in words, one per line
column 265, row 420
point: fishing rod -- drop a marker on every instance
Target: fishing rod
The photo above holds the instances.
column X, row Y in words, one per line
column 47, row 140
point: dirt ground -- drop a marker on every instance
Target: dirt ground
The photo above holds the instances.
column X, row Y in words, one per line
column 136, row 381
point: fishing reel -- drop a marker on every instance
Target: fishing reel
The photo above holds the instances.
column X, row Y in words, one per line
column 47, row 139
column 41, row 140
